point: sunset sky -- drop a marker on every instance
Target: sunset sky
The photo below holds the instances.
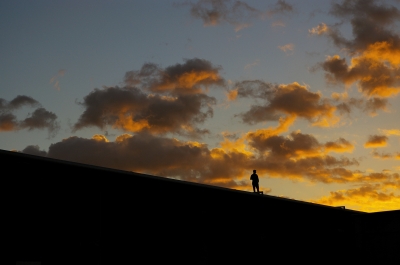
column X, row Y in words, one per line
column 305, row 92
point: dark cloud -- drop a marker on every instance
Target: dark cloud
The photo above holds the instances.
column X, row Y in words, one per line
column 18, row 102
column 369, row 20
column 297, row 158
column 376, row 141
column 156, row 100
column 132, row 110
column 375, row 78
column 214, row 12
column 374, row 46
column 292, row 99
column 161, row 156
column 8, row 122
column 21, row 100
column 39, row 119
column 190, row 77
column 341, row 145
column 295, row 145
column 281, row 7
column 383, row 155
column 236, row 13
column 34, row 150
column 373, row 105
column 370, row 106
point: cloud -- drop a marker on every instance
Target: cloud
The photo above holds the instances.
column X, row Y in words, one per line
column 156, row 100
column 39, row 119
column 8, row 122
column 214, row 12
column 375, row 78
column 375, row 141
column 236, row 13
column 54, row 80
column 34, row 150
column 132, row 110
column 281, row 7
column 228, row 165
column 339, row 146
column 368, row 197
column 18, row 102
column 382, row 155
column 319, row 30
column 287, row 48
column 142, row 152
column 370, row 106
column 294, row 146
column 374, row 47
column 290, row 99
column 192, row 77
column 391, row 132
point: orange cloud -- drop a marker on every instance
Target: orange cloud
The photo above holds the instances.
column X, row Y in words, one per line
column 374, row 48
column 375, row 141
column 232, row 94
column 340, row 146
column 155, row 99
column 318, row 30
column 100, row 138
column 369, row 198
column 40, row 118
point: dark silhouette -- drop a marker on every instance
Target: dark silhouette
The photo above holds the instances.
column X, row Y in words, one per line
column 254, row 179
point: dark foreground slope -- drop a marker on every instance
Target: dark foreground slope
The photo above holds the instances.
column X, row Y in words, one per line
column 66, row 213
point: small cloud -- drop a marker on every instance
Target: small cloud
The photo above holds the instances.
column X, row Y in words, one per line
column 241, row 26
column 232, row 94
column 54, row 80
column 318, row 30
column 250, row 65
column 375, row 141
column 391, row 132
column 281, row 7
column 287, row 48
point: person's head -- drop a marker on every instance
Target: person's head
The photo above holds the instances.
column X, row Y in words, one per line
column 254, row 171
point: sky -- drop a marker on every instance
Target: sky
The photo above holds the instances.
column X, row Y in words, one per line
column 305, row 92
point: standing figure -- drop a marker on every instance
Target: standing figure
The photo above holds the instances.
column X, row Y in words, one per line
column 254, row 179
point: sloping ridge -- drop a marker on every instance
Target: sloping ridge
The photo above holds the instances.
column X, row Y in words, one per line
column 66, row 211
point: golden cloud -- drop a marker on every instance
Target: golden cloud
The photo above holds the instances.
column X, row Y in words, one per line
column 375, row 141
column 340, row 146
column 391, row 132
column 369, row 198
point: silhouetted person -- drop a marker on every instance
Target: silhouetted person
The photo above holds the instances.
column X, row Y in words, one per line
column 254, row 179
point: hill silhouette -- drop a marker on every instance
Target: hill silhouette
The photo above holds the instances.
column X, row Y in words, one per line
column 68, row 213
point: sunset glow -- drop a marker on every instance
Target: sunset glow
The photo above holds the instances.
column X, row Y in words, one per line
column 305, row 92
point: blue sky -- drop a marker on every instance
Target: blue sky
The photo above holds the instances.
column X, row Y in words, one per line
column 306, row 63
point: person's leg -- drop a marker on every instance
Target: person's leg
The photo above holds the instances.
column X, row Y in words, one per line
column 254, row 188
column 258, row 189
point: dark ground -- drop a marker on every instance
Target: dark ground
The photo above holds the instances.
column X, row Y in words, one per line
column 67, row 213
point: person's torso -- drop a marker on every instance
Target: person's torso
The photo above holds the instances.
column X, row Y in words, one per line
column 254, row 177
